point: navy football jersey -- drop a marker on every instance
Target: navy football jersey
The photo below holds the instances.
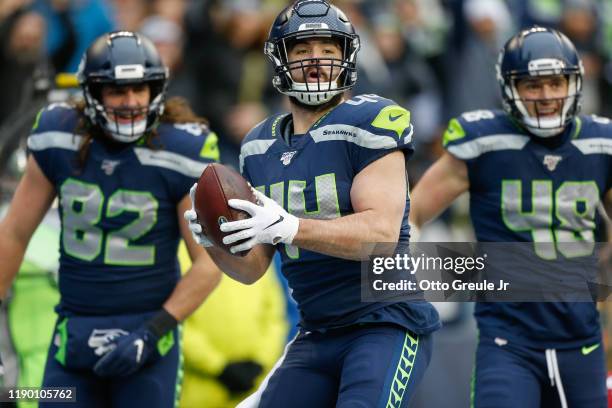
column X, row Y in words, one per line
column 120, row 231
column 523, row 189
column 311, row 177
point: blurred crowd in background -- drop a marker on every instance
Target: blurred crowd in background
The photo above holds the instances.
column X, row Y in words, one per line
column 435, row 57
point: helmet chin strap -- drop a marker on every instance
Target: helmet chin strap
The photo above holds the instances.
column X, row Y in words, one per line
column 542, row 127
column 544, row 131
column 301, row 93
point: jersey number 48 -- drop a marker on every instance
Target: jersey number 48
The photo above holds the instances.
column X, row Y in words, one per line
column 561, row 220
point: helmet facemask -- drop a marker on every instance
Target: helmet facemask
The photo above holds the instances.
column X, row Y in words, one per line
column 124, row 124
column 123, row 58
column 568, row 105
column 333, row 76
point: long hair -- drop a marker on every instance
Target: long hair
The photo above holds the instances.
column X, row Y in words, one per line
column 177, row 110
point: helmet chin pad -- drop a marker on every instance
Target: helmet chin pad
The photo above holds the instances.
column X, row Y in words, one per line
column 313, row 93
column 126, row 132
column 544, row 129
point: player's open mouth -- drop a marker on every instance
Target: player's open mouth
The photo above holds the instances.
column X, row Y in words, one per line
column 547, row 108
column 548, row 112
column 130, row 120
column 315, row 76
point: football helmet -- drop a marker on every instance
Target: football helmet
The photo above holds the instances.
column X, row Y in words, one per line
column 312, row 19
column 122, row 58
column 535, row 52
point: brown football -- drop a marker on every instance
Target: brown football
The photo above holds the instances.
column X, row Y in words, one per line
column 217, row 184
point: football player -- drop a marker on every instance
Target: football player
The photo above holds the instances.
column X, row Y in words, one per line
column 330, row 176
column 121, row 165
column 536, row 172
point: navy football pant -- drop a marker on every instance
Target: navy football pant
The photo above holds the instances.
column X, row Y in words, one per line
column 509, row 375
column 156, row 384
column 362, row 366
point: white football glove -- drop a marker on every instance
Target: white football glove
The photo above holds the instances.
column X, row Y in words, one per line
column 192, row 220
column 269, row 224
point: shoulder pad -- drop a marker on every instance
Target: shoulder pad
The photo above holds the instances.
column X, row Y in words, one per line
column 56, row 117
column 474, row 133
column 374, row 114
column 266, row 129
column 193, row 140
column 589, row 126
column 593, row 134
column 260, row 138
column 54, row 128
column 477, row 123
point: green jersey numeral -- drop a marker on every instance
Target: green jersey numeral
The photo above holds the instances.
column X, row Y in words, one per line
column 326, row 194
column 573, row 205
column 82, row 205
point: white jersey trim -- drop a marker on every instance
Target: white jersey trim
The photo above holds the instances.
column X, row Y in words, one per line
column 474, row 148
column 598, row 145
column 54, row 139
column 353, row 134
column 254, row 147
column 170, row 161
